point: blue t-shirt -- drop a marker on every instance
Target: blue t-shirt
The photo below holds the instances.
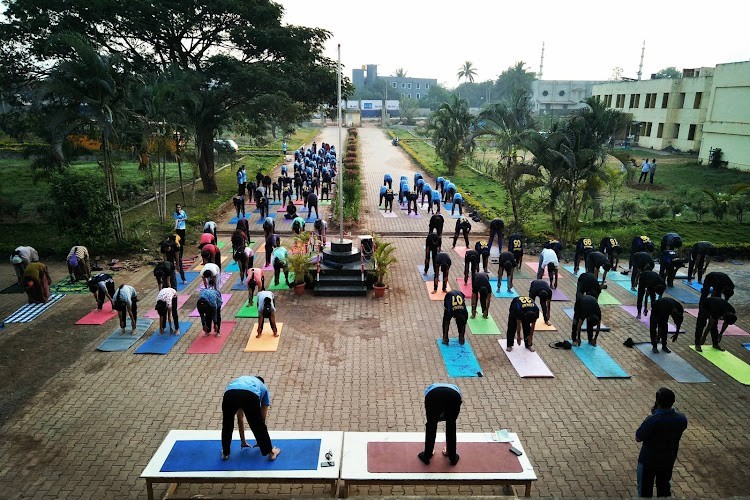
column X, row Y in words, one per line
column 435, row 196
column 252, row 384
column 213, row 297
column 383, row 189
column 180, row 218
column 420, row 182
column 388, row 178
column 457, row 197
column 426, row 189
column 449, row 386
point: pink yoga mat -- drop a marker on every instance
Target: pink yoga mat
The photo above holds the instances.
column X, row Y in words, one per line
column 646, row 320
column 558, row 296
column 384, row 457
column 465, row 289
column 225, row 277
column 211, row 344
column 461, row 251
column 181, row 299
column 528, row 364
column 224, row 299
column 98, row 317
column 732, row 330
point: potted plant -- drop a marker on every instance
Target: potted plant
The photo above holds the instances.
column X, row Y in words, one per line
column 300, row 265
column 383, row 257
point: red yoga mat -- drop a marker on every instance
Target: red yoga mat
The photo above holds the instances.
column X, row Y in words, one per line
column 98, row 317
column 211, row 344
column 475, row 457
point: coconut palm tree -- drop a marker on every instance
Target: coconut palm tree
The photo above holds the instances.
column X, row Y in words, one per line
column 467, row 72
column 450, row 127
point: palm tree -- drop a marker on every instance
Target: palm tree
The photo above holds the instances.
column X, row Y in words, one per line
column 450, row 128
column 467, row 72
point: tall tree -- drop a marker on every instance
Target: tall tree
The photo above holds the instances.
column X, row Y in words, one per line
column 238, row 51
column 514, row 79
column 436, row 96
column 670, row 72
column 450, row 128
column 467, row 72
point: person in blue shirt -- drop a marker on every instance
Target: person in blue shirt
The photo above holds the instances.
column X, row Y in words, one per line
column 441, row 402
column 241, row 180
column 439, row 184
column 435, row 201
column 419, row 186
column 179, row 226
column 388, row 180
column 403, row 193
column 247, row 397
column 449, row 189
column 417, row 176
column 426, row 193
column 458, row 200
column 660, row 434
column 209, row 308
column 383, row 189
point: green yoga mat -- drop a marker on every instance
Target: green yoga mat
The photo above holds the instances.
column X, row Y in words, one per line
column 606, row 299
column 67, row 286
column 282, row 284
column 247, row 311
column 481, row 326
column 728, row 363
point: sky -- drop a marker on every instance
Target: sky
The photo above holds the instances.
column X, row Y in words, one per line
column 584, row 40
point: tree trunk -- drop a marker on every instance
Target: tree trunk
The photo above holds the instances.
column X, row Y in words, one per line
column 205, row 145
column 111, row 185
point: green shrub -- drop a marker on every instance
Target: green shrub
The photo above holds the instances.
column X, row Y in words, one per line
column 657, row 210
column 629, row 209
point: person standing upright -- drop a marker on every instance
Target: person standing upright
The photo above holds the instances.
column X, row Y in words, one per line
column 651, row 170
column 645, row 167
column 179, row 226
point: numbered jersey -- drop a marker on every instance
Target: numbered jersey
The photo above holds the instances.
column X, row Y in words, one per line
column 455, row 303
column 523, row 307
column 585, row 245
column 515, row 243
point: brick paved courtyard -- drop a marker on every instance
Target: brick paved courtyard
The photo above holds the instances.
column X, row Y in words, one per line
column 361, row 364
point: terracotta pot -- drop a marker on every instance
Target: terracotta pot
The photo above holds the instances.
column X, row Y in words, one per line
column 379, row 290
column 299, row 289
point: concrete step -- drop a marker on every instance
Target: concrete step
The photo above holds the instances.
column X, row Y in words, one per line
column 340, row 290
column 336, row 280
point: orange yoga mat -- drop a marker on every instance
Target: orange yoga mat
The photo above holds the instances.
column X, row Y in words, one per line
column 267, row 342
column 440, row 295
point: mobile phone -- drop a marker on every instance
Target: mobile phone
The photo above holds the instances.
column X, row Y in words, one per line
column 327, row 464
column 516, row 451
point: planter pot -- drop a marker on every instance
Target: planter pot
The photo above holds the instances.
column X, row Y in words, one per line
column 299, row 289
column 379, row 290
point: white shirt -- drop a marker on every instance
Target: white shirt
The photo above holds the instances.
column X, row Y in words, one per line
column 167, row 295
column 127, row 293
column 548, row 256
column 210, row 225
column 211, row 268
column 262, row 296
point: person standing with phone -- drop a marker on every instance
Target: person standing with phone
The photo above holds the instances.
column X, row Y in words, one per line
column 660, row 434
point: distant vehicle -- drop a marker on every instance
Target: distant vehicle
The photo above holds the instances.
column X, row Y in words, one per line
column 225, row 146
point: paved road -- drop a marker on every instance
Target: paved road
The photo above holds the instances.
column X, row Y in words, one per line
column 358, row 364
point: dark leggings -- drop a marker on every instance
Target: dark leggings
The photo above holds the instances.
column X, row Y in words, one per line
column 513, row 326
column 460, row 324
column 124, row 313
column 181, row 234
column 101, row 296
column 441, row 403
column 175, row 318
column 249, row 403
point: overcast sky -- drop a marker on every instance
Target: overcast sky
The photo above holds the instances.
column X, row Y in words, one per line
column 584, row 40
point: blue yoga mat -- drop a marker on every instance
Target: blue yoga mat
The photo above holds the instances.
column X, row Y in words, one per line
column 618, row 276
column 503, row 293
column 746, row 346
column 162, row 344
column 698, row 287
column 239, row 285
column 459, row 359
column 599, row 362
column 683, row 294
column 235, row 219
column 190, row 276
column 122, row 342
column 626, row 286
column 430, row 276
column 674, row 365
column 205, row 455
column 233, row 267
column 570, row 267
column 261, row 220
column 569, row 313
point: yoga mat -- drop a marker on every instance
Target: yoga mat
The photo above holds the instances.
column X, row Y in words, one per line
column 124, row 341
column 626, row 285
column 461, row 251
column 28, row 312
column 569, row 313
column 181, row 299
column 396, row 457
column 248, row 311
column 205, row 455
column 235, row 219
column 454, row 215
column 269, row 267
column 430, row 276
column 267, row 342
column 459, row 359
column 211, row 344
column 598, row 361
column 440, row 294
column 674, row 365
column 272, row 215
column 539, row 326
column 224, row 278
column 732, row 330
column 233, row 267
column 18, row 288
column 606, row 299
column 224, row 299
column 465, row 289
column 98, row 316
column 387, row 215
column 570, row 267
column 162, row 344
column 481, row 326
column 190, row 276
column 414, row 216
column 282, row 283
column 618, row 276
column 728, row 363
column 684, row 294
column 746, row 346
column 646, row 320
column 67, row 286
column 558, row 296
column 534, row 267
column 698, row 287
column 221, row 245
column 503, row 293
column 528, row 364
column 324, row 203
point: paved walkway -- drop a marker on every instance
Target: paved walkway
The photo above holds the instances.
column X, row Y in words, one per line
column 356, row 364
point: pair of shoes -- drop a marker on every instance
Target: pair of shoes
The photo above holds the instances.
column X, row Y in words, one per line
column 665, row 349
column 655, row 350
column 719, row 348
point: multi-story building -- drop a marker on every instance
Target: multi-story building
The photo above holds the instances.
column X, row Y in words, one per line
column 398, row 86
column 560, row 97
column 707, row 108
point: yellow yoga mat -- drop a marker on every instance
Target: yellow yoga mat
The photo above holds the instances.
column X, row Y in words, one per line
column 440, row 295
column 267, row 342
column 541, row 327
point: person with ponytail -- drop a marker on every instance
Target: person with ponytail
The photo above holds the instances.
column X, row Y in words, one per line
column 166, row 306
column 126, row 304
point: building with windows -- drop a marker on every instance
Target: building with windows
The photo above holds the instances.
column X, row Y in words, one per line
column 560, row 97
column 398, row 86
column 707, row 108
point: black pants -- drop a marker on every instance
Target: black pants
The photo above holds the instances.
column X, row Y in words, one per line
column 697, row 265
column 277, row 267
column 643, row 176
column 460, row 206
column 499, row 235
column 660, row 476
column 659, row 331
column 589, row 329
column 101, row 296
column 668, row 272
column 411, row 203
column 512, row 330
column 175, row 317
column 460, row 324
column 310, row 210
column 441, row 403
column 181, row 234
column 388, row 203
column 429, row 252
column 124, row 314
column 466, row 236
column 249, row 403
column 207, row 320
column 700, row 326
column 470, row 266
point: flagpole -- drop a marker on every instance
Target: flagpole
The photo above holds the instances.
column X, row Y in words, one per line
column 340, row 157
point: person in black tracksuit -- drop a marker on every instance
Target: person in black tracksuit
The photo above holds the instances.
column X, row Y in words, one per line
column 411, row 202
column 441, row 263
column 507, row 263
column 462, row 226
column 541, row 289
column 388, row 200
column 669, row 263
column 711, row 310
column 471, row 263
column 595, row 260
column 700, row 257
column 496, row 230
column 588, row 285
column 441, row 402
column 639, row 262
column 610, row 247
column 431, row 249
column 584, row 247
column 661, row 310
column 640, row 244
column 481, row 291
column 721, row 284
column 515, row 246
column 649, row 285
column 671, row 241
column 454, row 307
column 522, row 315
column 436, row 224
column 586, row 309
column 484, row 250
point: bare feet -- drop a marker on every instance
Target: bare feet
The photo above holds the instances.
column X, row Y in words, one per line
column 275, row 334
column 224, row 457
column 433, row 292
column 509, row 348
column 548, row 323
column 274, row 453
column 531, row 348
